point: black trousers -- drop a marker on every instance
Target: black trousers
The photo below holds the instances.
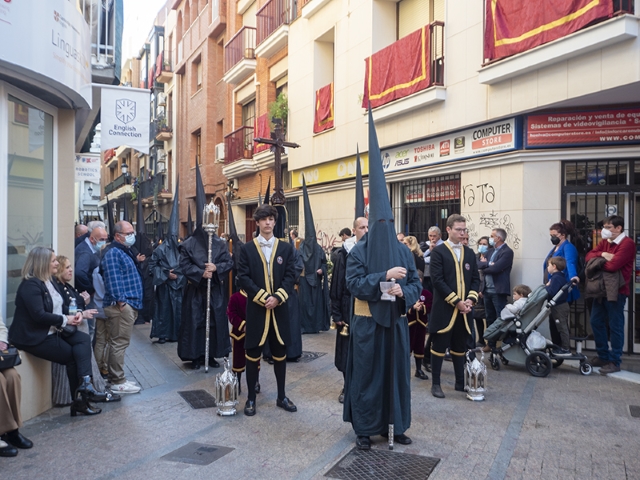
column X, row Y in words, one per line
column 74, row 352
column 277, row 351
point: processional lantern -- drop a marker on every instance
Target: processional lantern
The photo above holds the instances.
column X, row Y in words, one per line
column 226, row 391
column 475, row 375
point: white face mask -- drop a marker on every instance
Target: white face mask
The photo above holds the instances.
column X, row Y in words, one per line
column 606, row 234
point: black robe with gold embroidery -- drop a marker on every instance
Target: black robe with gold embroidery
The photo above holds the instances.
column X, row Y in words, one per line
column 452, row 281
column 259, row 283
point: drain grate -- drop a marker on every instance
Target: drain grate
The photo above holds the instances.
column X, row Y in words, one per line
column 307, row 357
column 197, row 454
column 634, row 410
column 198, row 398
column 378, row 464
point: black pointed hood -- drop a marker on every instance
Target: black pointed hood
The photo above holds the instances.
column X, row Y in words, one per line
column 359, row 187
column 233, row 233
column 189, row 221
column 140, row 227
column 267, row 194
column 309, row 248
column 174, row 220
column 110, row 223
column 201, row 198
column 382, row 252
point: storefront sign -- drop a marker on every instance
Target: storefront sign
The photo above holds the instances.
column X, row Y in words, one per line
column 49, row 38
column 496, row 137
column 414, row 194
column 330, row 171
column 88, row 169
column 598, row 127
column 125, row 118
column 447, row 190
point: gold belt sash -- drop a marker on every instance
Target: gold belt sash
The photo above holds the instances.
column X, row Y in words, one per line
column 361, row 308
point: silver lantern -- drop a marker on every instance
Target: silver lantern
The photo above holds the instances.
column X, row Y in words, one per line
column 226, row 391
column 475, row 375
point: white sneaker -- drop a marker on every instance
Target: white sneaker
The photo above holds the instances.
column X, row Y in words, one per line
column 126, row 387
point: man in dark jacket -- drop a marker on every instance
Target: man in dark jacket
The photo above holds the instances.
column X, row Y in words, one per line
column 497, row 273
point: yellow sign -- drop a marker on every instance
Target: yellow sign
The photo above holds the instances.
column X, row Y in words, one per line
column 342, row 169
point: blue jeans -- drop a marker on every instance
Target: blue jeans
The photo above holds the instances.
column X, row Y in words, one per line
column 613, row 312
column 493, row 305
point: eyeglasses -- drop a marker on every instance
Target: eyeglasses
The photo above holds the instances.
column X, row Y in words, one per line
column 461, row 230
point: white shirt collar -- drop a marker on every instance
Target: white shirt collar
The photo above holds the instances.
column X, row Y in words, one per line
column 263, row 240
column 619, row 238
column 451, row 244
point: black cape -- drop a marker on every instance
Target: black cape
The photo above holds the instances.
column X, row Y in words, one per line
column 144, row 246
column 314, row 293
column 168, row 297
column 191, row 335
column 340, row 306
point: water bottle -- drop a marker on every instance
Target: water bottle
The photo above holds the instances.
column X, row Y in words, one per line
column 73, row 307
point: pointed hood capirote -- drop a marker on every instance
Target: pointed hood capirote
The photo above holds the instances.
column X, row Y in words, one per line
column 359, row 187
column 310, row 252
column 201, row 198
column 382, row 253
column 189, row 222
column 233, row 233
column 140, row 227
column 174, row 219
column 110, row 222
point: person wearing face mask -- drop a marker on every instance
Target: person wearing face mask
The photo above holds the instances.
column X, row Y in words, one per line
column 619, row 252
column 479, row 313
column 121, row 302
column 560, row 234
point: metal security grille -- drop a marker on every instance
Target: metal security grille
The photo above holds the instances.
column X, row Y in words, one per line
column 197, row 454
column 378, row 464
column 198, row 398
column 293, row 212
column 426, row 202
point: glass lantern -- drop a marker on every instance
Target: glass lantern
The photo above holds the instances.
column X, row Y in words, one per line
column 226, row 391
column 475, row 374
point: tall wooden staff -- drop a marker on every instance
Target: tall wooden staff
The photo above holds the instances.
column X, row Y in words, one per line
column 211, row 212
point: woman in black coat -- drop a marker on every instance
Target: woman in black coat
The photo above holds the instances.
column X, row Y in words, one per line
column 39, row 325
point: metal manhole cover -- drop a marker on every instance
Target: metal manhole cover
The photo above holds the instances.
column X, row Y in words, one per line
column 382, row 464
column 307, row 357
column 634, row 410
column 197, row 454
column 198, row 398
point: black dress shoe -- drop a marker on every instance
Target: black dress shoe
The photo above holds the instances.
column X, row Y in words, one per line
column 287, row 405
column 402, row 439
column 460, row 388
column 363, row 443
column 257, row 389
column 250, row 408
column 421, row 375
column 427, row 367
column 196, row 365
column 436, row 391
column 162, row 341
column 8, row 451
column 341, row 396
column 213, row 363
column 16, row 439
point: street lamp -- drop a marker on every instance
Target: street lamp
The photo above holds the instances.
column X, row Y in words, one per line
column 124, row 168
column 90, row 191
column 160, row 164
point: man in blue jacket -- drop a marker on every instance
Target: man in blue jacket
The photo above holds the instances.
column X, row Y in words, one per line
column 497, row 272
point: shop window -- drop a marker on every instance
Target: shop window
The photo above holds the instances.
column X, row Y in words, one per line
column 596, row 173
column 293, row 212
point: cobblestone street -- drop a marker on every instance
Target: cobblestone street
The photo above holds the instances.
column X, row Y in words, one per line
column 563, row 426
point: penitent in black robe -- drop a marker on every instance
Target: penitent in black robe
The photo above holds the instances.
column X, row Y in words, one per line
column 144, row 246
column 340, row 307
column 313, row 292
column 191, row 337
column 168, row 299
column 367, row 385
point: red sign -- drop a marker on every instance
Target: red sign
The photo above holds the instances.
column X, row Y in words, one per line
column 600, row 127
column 448, row 190
column 445, row 148
column 492, row 141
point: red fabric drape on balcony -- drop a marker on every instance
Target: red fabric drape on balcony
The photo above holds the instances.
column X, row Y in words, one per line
column 399, row 70
column 151, row 76
column 159, row 64
column 324, row 109
column 261, row 129
column 514, row 26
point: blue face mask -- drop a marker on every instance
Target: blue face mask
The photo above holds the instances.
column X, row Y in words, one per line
column 482, row 248
column 492, row 242
column 98, row 246
column 130, row 240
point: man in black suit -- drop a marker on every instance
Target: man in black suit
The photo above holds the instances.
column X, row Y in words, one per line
column 267, row 272
column 455, row 279
column 497, row 273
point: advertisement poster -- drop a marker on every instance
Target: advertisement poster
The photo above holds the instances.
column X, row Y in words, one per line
column 496, row 137
column 595, row 127
column 87, row 169
column 55, row 43
column 125, row 118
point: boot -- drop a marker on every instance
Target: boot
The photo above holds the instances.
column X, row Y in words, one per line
column 81, row 403
column 94, row 395
column 458, row 368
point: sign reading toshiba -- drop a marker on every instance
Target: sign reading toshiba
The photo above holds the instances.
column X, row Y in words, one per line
column 50, row 38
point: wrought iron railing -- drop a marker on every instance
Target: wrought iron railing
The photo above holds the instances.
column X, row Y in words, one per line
column 105, row 18
column 124, row 179
column 270, row 17
column 152, row 187
column 238, row 144
column 242, row 45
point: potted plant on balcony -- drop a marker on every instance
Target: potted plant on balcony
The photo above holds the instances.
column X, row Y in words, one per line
column 280, row 109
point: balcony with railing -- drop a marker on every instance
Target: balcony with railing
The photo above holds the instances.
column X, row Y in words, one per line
column 272, row 27
column 407, row 75
column 163, row 129
column 116, row 189
column 154, row 188
column 106, row 23
column 584, row 31
column 164, row 71
column 238, row 149
column 240, row 55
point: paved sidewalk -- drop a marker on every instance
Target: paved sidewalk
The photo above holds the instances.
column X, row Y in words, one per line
column 563, row 426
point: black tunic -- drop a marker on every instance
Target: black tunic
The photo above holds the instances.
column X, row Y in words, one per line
column 340, row 306
column 314, row 293
column 168, row 297
column 191, row 335
column 144, row 246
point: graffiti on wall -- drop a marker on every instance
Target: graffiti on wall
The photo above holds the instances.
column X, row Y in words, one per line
column 490, row 220
column 326, row 240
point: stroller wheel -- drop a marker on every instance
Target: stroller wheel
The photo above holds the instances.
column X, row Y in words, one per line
column 556, row 362
column 538, row 364
column 586, row 368
column 504, row 361
column 495, row 363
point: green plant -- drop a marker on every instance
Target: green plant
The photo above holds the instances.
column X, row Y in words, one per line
column 280, row 109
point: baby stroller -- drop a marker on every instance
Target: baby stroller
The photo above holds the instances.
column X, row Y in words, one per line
column 523, row 345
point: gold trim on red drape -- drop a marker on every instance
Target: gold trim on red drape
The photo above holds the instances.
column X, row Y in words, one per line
column 323, row 118
column 261, row 130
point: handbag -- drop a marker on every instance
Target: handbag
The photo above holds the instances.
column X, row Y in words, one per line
column 9, row 358
column 68, row 330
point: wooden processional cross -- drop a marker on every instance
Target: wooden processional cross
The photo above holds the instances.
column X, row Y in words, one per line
column 277, row 147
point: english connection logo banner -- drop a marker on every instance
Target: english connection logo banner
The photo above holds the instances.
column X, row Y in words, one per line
column 125, row 118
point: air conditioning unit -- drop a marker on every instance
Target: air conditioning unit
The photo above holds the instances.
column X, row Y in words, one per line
column 162, row 99
column 220, row 152
column 234, row 184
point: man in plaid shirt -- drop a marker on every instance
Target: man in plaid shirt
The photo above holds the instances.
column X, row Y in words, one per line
column 122, row 300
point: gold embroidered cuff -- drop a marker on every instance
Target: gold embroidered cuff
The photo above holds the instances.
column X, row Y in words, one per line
column 283, row 293
column 260, row 297
column 280, row 297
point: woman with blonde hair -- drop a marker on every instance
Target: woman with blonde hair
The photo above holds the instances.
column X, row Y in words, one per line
column 412, row 242
column 43, row 327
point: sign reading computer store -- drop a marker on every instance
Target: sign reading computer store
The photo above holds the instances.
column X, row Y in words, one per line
column 614, row 126
column 496, row 137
